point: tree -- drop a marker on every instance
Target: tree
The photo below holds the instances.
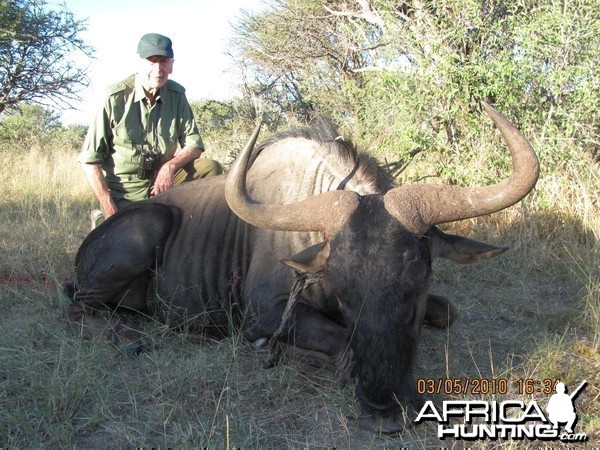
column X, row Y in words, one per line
column 38, row 47
column 28, row 121
column 297, row 55
column 408, row 75
column 34, row 126
column 213, row 114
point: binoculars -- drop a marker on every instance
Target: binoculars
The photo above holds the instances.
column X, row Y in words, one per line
column 149, row 165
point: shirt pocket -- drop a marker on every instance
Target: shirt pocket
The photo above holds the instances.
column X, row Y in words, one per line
column 168, row 139
column 129, row 142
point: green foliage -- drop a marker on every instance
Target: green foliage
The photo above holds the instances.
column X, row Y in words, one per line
column 35, row 126
column 407, row 77
column 38, row 46
column 224, row 126
column 27, row 121
column 213, row 114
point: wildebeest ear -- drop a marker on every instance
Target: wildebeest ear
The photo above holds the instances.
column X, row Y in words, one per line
column 460, row 249
column 310, row 260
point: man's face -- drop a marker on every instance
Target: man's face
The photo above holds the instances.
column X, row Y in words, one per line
column 154, row 72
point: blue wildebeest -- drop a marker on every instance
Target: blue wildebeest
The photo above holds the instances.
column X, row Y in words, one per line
column 208, row 254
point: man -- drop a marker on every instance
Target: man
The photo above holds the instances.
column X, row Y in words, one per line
column 144, row 139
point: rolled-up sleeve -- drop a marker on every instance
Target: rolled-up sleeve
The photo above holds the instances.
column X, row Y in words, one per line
column 97, row 144
column 189, row 135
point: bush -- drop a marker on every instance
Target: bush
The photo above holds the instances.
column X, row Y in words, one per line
column 33, row 126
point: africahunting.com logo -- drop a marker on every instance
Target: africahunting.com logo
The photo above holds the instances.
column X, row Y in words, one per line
column 515, row 420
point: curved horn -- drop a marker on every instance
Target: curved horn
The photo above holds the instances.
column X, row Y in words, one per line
column 418, row 207
column 326, row 212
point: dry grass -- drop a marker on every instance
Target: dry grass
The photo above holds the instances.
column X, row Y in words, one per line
column 532, row 313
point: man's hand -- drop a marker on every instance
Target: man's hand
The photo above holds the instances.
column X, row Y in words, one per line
column 95, row 176
column 164, row 179
column 166, row 174
column 109, row 209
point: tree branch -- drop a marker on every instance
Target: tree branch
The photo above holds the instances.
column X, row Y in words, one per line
column 367, row 13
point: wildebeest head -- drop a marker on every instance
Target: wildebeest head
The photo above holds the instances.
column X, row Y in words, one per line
column 375, row 261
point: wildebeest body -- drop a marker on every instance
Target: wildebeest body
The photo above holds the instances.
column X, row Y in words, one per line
column 188, row 258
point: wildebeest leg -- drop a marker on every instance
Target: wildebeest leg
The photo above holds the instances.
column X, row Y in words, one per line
column 324, row 341
column 314, row 337
column 114, row 267
column 91, row 317
column 440, row 312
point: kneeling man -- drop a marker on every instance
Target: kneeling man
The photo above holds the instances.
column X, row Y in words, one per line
column 145, row 138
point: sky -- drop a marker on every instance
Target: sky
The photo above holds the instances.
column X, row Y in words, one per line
column 199, row 30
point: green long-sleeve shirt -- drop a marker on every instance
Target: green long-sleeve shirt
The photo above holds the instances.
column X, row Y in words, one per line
column 128, row 124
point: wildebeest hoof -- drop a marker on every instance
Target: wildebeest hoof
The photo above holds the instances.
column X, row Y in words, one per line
column 260, row 344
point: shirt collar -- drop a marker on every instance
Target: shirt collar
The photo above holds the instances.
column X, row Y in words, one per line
column 139, row 93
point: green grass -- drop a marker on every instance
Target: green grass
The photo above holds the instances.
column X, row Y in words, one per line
column 532, row 313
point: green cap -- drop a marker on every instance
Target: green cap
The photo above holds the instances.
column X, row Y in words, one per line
column 154, row 44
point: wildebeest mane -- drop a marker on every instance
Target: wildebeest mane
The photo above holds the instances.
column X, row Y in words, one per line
column 339, row 151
